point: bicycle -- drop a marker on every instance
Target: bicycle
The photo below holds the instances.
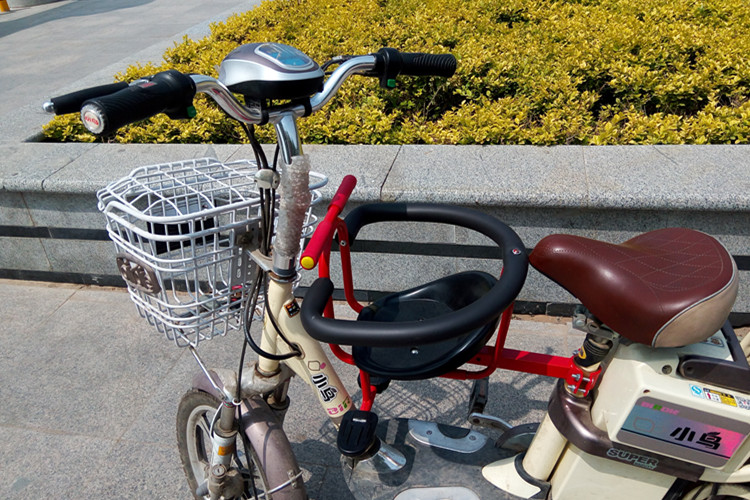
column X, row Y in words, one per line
column 205, row 248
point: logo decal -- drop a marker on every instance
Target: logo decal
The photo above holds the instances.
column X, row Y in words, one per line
column 91, row 118
column 292, row 308
column 137, row 273
column 643, row 461
column 327, row 392
column 697, row 391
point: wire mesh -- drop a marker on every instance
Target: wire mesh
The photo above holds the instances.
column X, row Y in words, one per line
column 181, row 231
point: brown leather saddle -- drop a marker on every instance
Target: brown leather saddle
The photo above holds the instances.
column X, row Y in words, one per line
column 664, row 288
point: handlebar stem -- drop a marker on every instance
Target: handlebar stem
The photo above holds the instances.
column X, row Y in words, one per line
column 287, row 135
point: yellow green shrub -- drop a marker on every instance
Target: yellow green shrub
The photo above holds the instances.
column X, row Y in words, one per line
column 529, row 72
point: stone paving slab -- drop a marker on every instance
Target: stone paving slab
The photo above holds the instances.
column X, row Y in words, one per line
column 669, row 177
column 489, row 175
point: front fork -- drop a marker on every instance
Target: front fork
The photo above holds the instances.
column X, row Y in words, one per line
column 223, row 480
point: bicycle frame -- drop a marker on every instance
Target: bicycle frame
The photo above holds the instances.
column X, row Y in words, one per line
column 313, row 366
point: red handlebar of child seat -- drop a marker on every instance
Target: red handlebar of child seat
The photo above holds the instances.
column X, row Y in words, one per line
column 324, row 232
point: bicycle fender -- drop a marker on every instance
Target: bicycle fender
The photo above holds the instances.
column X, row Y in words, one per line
column 267, row 436
column 265, row 433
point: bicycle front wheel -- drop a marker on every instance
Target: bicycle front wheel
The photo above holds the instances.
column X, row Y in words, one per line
column 194, row 417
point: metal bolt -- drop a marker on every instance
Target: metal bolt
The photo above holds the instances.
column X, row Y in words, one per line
column 218, row 471
column 666, row 369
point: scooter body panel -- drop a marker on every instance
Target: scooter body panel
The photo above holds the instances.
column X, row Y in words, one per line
column 644, row 402
column 581, row 476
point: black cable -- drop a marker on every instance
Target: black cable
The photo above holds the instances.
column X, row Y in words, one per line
column 267, row 197
column 272, row 217
column 335, row 60
column 268, row 211
column 260, row 155
column 239, row 371
column 275, row 164
column 265, row 223
column 260, row 281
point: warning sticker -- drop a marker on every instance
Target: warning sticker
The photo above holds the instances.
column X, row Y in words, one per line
column 720, row 397
column 292, row 308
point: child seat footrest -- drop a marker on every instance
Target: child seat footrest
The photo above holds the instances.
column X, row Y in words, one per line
column 357, row 433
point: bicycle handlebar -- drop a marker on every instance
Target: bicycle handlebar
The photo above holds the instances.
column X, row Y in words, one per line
column 390, row 63
column 104, row 109
column 436, row 329
column 324, row 232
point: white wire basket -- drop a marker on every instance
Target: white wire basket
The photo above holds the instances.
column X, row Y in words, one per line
column 181, row 231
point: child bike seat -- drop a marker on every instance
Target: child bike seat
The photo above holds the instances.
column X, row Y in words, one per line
column 431, row 300
column 453, row 313
column 664, row 288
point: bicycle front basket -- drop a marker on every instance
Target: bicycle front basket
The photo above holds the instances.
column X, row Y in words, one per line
column 179, row 230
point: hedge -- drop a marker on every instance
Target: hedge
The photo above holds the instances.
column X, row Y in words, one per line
column 529, row 72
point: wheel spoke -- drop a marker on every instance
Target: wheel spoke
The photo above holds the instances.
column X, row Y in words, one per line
column 203, row 426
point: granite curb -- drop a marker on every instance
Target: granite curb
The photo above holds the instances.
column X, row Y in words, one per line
column 48, row 203
column 712, row 178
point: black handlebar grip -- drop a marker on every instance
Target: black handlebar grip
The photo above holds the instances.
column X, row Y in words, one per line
column 168, row 92
column 389, row 63
column 71, row 103
column 419, row 64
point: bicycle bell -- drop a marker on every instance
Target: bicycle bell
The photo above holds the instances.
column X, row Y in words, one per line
column 264, row 71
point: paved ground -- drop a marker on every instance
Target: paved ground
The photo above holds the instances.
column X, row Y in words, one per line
column 46, row 48
column 90, row 392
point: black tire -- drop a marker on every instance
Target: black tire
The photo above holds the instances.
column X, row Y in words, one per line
column 194, row 416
